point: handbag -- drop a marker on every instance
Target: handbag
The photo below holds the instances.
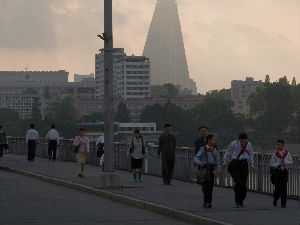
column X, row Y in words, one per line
column 203, row 172
column 76, row 148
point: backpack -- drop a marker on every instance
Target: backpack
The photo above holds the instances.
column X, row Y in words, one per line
column 132, row 146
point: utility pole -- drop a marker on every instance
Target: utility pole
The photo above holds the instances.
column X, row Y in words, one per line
column 107, row 36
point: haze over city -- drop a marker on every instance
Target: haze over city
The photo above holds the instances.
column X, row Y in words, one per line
column 224, row 40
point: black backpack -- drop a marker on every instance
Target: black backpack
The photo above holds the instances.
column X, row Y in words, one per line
column 132, row 146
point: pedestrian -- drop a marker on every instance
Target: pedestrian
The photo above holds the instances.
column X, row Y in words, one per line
column 32, row 138
column 237, row 156
column 83, row 148
column 53, row 141
column 137, row 152
column 100, row 149
column 166, row 151
column 3, row 142
column 208, row 159
column 280, row 161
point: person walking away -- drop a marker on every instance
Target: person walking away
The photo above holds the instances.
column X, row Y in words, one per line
column 280, row 161
column 100, row 148
column 3, row 142
column 166, row 151
column 237, row 157
column 82, row 142
column 137, row 152
column 53, row 141
column 208, row 158
column 32, row 138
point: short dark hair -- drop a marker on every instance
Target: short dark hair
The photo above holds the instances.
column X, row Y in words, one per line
column 280, row 141
column 209, row 137
column 243, row 136
column 53, row 126
column 201, row 127
column 136, row 131
column 32, row 126
column 82, row 129
column 167, row 125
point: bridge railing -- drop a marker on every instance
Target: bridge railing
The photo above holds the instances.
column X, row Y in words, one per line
column 184, row 170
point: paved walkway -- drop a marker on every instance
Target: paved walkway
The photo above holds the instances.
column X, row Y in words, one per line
column 180, row 195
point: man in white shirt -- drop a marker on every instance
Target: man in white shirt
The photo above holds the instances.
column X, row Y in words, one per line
column 237, row 156
column 53, row 140
column 32, row 137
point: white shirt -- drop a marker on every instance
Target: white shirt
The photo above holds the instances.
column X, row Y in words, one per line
column 138, row 148
column 275, row 161
column 234, row 150
column 32, row 134
column 100, row 140
column 53, row 135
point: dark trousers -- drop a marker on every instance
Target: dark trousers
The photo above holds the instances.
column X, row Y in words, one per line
column 280, row 190
column 240, row 177
column 52, row 146
column 1, row 150
column 31, row 149
column 208, row 186
column 167, row 169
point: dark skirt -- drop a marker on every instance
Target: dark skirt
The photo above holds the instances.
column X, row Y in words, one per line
column 136, row 163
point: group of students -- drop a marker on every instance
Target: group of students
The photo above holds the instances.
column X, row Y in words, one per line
column 236, row 160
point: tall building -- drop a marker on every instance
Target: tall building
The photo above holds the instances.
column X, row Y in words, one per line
column 240, row 92
column 131, row 75
column 165, row 48
column 60, row 76
column 80, row 77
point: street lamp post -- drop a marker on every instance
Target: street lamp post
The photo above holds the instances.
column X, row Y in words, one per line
column 107, row 36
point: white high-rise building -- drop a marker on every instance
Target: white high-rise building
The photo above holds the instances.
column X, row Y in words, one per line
column 240, row 92
column 131, row 75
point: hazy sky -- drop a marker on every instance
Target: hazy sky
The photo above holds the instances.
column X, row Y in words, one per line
column 224, row 39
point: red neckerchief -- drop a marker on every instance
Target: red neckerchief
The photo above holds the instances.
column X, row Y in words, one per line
column 281, row 156
column 212, row 152
column 244, row 149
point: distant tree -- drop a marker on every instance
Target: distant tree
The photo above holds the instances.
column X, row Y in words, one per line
column 63, row 114
column 267, row 80
column 11, row 122
column 224, row 93
column 294, row 83
column 30, row 91
column 123, row 114
column 166, row 90
column 92, row 118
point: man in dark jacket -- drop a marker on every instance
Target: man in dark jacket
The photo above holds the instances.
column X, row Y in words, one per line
column 201, row 141
column 166, row 149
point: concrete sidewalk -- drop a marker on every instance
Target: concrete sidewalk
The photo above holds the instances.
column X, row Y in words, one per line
column 180, row 195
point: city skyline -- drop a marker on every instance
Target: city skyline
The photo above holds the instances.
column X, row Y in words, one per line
column 221, row 43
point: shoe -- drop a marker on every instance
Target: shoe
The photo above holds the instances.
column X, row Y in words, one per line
column 275, row 203
column 80, row 175
column 209, row 205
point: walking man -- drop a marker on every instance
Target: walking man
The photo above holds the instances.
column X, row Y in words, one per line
column 237, row 156
column 280, row 161
column 32, row 137
column 166, row 150
column 100, row 149
column 3, row 142
column 53, row 140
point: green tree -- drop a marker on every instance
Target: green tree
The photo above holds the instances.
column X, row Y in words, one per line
column 92, row 118
column 64, row 116
column 123, row 114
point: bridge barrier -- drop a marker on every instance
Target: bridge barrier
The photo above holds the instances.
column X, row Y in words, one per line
column 184, row 170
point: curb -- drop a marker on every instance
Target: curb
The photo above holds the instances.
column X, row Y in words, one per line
column 160, row 209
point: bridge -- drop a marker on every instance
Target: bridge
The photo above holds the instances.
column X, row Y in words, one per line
column 182, row 199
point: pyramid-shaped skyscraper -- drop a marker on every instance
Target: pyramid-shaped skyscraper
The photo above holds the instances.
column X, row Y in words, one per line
column 165, row 48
